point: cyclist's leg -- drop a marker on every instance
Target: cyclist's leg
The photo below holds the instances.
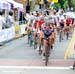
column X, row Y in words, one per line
column 58, row 29
column 44, row 48
column 54, row 34
column 71, row 29
column 62, row 31
column 68, row 29
column 51, row 41
column 53, row 38
column 44, row 44
column 34, row 33
column 41, row 37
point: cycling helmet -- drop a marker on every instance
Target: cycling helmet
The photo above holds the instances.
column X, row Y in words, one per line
column 47, row 23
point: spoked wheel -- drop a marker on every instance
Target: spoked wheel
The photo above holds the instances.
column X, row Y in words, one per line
column 28, row 39
column 74, row 66
column 35, row 44
column 67, row 35
column 31, row 42
column 35, row 41
column 47, row 56
column 46, row 61
column 60, row 37
column 40, row 51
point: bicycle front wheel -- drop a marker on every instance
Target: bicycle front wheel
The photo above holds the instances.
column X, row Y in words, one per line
column 47, row 55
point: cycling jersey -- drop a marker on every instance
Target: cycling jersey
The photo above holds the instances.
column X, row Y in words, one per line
column 68, row 21
column 47, row 33
column 40, row 24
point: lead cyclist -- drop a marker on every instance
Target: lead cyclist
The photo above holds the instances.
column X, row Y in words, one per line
column 46, row 34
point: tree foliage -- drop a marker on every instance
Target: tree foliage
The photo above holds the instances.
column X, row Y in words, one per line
column 61, row 4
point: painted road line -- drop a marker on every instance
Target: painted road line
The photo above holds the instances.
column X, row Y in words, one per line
column 33, row 67
column 69, row 46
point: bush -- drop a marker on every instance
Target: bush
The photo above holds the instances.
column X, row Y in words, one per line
column 57, row 5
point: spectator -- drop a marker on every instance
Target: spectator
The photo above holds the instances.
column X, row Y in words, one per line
column 9, row 20
column 2, row 21
column 21, row 18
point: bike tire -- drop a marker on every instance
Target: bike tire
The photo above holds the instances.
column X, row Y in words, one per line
column 47, row 55
column 67, row 35
column 40, row 51
column 46, row 61
column 35, row 45
column 74, row 66
column 30, row 42
column 60, row 37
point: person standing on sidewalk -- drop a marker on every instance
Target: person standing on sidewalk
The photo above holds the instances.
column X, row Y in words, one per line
column 2, row 23
column 9, row 20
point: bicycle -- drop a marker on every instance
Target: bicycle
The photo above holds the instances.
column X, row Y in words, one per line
column 40, row 45
column 35, row 41
column 74, row 66
column 67, row 33
column 30, row 40
column 47, row 52
column 60, row 35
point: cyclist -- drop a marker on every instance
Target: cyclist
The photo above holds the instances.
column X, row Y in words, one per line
column 46, row 33
column 62, row 25
column 55, row 18
column 51, row 19
column 39, row 28
column 69, row 24
column 39, row 24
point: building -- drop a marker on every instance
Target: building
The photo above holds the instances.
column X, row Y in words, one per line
column 25, row 3
column 22, row 2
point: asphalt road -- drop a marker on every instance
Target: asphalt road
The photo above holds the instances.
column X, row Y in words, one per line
column 19, row 49
column 36, row 71
column 18, row 52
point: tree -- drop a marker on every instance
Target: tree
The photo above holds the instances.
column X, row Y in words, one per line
column 71, row 3
column 65, row 5
column 61, row 4
column 57, row 5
